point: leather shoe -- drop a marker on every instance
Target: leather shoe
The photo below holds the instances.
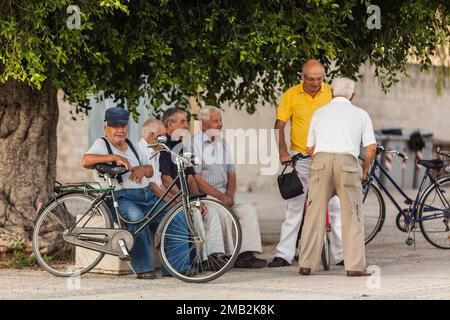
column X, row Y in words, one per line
column 304, row 271
column 340, row 263
column 250, row 263
column 146, row 275
column 358, row 274
column 278, row 262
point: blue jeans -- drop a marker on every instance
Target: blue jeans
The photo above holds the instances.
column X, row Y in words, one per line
column 134, row 204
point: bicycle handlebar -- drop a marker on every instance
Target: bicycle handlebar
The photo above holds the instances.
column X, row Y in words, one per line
column 295, row 158
column 401, row 155
column 381, row 149
column 300, row 156
column 188, row 163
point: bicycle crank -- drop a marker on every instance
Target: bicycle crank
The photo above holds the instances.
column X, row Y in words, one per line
column 411, row 241
column 402, row 224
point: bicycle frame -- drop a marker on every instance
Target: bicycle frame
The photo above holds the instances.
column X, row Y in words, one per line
column 415, row 203
column 151, row 214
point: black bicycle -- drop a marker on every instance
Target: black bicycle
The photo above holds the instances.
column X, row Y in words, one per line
column 75, row 230
column 430, row 209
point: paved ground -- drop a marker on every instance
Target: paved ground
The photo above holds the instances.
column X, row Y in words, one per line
column 404, row 273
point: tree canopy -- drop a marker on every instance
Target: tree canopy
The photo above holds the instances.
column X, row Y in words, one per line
column 236, row 51
column 240, row 52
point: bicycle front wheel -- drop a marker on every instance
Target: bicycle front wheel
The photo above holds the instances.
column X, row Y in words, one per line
column 205, row 251
column 374, row 211
column 434, row 214
column 52, row 252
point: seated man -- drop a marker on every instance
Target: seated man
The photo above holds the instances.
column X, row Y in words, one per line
column 216, row 176
column 132, row 191
column 207, row 222
column 150, row 130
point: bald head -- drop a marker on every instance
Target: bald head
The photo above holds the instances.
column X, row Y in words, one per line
column 313, row 73
column 151, row 129
column 313, row 66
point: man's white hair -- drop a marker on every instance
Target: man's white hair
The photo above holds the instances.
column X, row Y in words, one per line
column 343, row 87
column 204, row 112
column 150, row 126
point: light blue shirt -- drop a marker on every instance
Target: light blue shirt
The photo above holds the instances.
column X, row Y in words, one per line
column 215, row 160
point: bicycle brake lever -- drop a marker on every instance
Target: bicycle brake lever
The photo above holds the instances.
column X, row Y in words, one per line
column 153, row 155
column 396, row 157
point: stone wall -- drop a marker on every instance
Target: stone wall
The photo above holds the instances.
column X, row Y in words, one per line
column 73, row 141
column 412, row 103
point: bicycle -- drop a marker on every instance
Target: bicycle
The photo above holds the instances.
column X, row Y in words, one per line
column 75, row 230
column 326, row 251
column 430, row 208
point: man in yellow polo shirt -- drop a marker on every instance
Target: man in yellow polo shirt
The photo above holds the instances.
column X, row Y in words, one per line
column 297, row 106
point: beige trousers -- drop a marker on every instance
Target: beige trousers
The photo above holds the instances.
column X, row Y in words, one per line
column 334, row 174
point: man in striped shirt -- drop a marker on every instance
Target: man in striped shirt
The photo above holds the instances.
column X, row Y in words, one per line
column 216, row 176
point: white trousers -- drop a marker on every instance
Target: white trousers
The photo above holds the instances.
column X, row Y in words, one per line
column 248, row 219
column 209, row 227
column 294, row 215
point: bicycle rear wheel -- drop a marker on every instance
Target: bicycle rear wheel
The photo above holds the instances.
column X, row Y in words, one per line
column 52, row 252
column 206, row 252
column 434, row 214
column 326, row 253
column 374, row 211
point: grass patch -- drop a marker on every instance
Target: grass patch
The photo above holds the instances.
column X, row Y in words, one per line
column 21, row 259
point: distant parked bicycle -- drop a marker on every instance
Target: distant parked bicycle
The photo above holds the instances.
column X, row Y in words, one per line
column 75, row 230
column 430, row 209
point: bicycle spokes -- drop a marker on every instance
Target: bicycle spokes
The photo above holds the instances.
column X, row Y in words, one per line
column 207, row 249
column 434, row 215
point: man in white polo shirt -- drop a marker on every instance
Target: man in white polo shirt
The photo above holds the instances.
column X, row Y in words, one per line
column 336, row 133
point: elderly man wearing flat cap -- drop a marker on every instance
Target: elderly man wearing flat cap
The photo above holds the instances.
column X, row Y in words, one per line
column 132, row 190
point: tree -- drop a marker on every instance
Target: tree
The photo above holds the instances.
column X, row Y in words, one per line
column 237, row 51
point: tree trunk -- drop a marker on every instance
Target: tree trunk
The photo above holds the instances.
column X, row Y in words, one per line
column 28, row 123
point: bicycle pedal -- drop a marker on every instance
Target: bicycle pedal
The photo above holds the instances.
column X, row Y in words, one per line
column 125, row 256
column 409, row 241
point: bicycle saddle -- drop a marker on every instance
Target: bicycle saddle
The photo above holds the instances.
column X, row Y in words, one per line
column 112, row 170
column 434, row 164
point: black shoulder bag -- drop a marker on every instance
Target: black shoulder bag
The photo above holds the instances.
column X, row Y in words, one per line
column 289, row 184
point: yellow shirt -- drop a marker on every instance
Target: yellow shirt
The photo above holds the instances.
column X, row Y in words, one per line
column 298, row 106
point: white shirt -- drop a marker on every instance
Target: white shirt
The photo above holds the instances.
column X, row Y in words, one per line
column 340, row 127
column 154, row 162
column 99, row 147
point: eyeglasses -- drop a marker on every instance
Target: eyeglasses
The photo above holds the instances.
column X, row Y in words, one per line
column 311, row 78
